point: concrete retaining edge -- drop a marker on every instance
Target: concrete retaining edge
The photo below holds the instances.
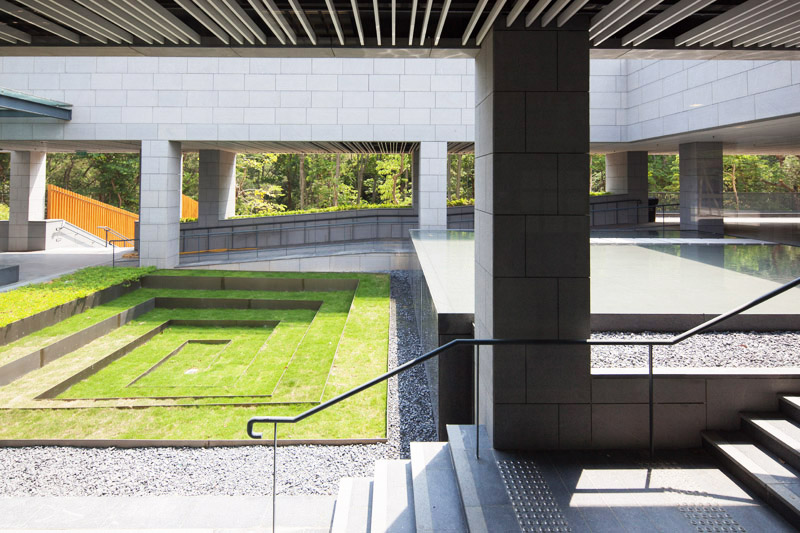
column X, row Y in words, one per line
column 680, row 323
column 49, row 317
column 157, row 443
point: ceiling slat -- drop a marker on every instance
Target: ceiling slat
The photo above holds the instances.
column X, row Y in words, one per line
column 13, row 35
column 440, row 26
column 623, row 21
column 268, row 18
column 515, row 12
column 726, row 20
column 65, row 20
column 236, row 9
column 664, row 20
column 301, row 16
column 413, row 22
column 205, row 20
column 487, row 25
column 425, row 20
column 123, row 20
column 357, row 16
column 39, row 22
column 473, row 20
column 335, row 20
column 277, row 14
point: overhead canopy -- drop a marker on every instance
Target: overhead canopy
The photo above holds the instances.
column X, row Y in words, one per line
column 424, row 28
column 17, row 104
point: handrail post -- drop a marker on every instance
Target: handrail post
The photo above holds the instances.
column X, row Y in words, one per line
column 477, row 400
column 274, row 470
column 650, row 380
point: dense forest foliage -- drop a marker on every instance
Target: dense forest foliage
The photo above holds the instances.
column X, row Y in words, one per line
column 282, row 183
column 741, row 173
column 265, row 183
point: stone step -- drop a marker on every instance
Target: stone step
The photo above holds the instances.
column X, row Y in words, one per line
column 353, row 506
column 775, row 433
column 483, row 493
column 790, row 406
column 393, row 497
column 437, row 503
column 764, row 473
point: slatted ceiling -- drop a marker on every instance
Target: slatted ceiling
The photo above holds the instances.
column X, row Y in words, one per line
column 286, row 147
column 335, row 21
column 784, row 22
column 378, row 23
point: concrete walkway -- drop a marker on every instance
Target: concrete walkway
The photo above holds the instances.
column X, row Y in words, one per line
column 35, row 267
column 187, row 514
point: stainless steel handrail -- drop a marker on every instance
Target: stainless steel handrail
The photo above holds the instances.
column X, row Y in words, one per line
column 670, row 341
column 113, row 231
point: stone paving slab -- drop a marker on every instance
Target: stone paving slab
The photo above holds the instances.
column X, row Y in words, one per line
column 166, row 513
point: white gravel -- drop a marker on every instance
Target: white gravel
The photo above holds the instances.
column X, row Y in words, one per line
column 779, row 349
column 247, row 470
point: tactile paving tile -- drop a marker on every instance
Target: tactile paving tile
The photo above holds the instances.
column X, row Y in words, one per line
column 533, row 502
column 711, row 519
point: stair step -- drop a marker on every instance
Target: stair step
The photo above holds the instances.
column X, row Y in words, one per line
column 353, row 506
column 790, row 406
column 393, row 497
column 437, row 504
column 764, row 473
column 483, row 492
column 775, row 433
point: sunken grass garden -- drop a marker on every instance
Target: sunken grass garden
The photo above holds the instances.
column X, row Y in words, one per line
column 191, row 355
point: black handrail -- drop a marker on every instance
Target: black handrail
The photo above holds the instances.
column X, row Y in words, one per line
column 275, row 420
column 497, row 342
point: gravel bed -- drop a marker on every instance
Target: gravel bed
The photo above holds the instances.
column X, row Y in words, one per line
column 780, row 349
column 246, row 470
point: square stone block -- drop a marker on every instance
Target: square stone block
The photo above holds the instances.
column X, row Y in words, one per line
column 540, row 69
column 525, row 308
column 557, row 122
column 572, row 172
column 574, row 308
column 509, row 374
column 526, row 183
column 574, row 426
column 620, row 426
column 525, row 426
column 557, row 246
column 508, row 121
column 678, row 425
column 573, row 61
column 558, row 374
column 509, row 245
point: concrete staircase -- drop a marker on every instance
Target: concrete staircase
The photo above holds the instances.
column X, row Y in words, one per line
column 443, row 488
column 765, row 455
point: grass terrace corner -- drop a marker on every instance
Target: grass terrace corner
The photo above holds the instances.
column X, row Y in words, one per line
column 192, row 355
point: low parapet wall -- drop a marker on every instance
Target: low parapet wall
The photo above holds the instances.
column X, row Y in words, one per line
column 299, row 230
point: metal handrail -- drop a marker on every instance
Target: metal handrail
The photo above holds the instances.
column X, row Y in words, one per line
column 275, row 420
column 112, row 230
column 113, row 244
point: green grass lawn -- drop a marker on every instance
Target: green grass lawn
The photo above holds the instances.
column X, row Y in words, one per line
column 209, row 388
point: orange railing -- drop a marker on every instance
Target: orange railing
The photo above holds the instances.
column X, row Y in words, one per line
column 89, row 214
column 188, row 207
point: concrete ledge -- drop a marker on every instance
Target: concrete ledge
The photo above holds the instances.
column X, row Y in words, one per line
column 235, row 303
column 9, row 274
column 25, row 326
column 249, row 284
column 157, row 443
column 680, row 323
column 39, row 358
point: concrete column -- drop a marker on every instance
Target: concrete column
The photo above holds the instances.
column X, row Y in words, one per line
column 27, row 192
column 532, row 233
column 701, row 187
column 626, row 173
column 217, row 187
column 430, row 184
column 160, row 204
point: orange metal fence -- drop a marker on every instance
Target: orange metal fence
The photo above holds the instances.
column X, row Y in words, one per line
column 89, row 214
column 188, row 207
